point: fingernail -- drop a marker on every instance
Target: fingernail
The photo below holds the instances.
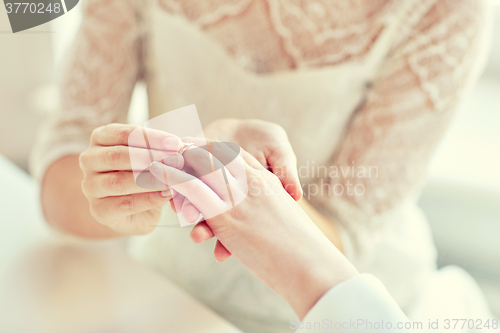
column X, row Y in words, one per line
column 166, row 194
column 173, row 160
column 172, row 143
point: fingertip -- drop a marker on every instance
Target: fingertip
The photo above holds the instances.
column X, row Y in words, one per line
column 201, row 232
column 172, row 205
column 175, row 161
column 172, row 143
column 195, row 236
column 293, row 188
column 220, row 257
column 221, row 254
column 299, row 193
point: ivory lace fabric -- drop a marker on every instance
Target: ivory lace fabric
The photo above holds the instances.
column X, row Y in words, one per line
column 356, row 84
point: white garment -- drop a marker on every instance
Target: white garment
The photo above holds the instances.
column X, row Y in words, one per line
column 362, row 304
column 355, row 83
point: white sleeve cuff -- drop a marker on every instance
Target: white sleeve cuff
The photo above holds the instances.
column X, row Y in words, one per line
column 360, row 304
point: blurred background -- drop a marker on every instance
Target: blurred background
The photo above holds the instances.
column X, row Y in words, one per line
column 461, row 199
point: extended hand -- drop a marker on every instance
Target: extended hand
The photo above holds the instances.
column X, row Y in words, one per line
column 266, row 229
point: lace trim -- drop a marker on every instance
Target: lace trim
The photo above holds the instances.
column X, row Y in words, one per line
column 313, row 33
column 204, row 13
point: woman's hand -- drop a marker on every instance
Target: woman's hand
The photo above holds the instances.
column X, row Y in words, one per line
column 267, row 142
column 109, row 183
column 267, row 230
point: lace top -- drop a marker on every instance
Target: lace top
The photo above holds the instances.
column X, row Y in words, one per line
column 356, row 84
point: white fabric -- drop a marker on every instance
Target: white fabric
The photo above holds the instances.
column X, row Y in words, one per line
column 375, row 82
column 362, row 304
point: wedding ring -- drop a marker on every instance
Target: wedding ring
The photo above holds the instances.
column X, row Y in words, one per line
column 185, row 146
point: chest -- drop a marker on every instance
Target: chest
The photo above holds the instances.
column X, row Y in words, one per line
column 188, row 65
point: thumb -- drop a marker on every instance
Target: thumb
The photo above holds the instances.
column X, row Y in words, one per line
column 200, row 195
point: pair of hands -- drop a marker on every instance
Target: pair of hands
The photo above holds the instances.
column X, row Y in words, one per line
column 119, row 203
column 270, row 234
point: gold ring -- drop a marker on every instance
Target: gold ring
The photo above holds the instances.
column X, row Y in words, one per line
column 185, row 147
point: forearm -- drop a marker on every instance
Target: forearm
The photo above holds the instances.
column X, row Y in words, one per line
column 65, row 206
column 326, row 225
column 323, row 269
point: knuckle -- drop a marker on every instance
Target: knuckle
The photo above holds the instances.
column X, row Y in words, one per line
column 278, row 153
column 278, row 129
column 86, row 186
column 270, row 128
column 273, row 178
column 123, row 133
column 203, row 157
column 83, row 160
column 152, row 199
column 95, row 133
column 113, row 154
column 198, row 157
column 126, row 203
column 115, row 182
column 277, row 134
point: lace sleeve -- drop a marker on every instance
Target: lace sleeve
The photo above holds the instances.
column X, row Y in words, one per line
column 97, row 81
column 392, row 136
